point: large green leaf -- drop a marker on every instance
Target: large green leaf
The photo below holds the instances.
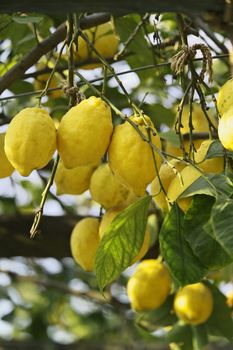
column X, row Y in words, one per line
column 196, row 232
column 216, row 149
column 184, row 265
column 220, row 322
column 222, row 223
column 121, row 242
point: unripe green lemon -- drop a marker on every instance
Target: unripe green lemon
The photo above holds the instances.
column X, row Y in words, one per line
column 225, row 97
column 225, row 129
column 31, row 140
column 73, row 181
column 106, row 221
column 130, row 158
column 84, row 242
column 84, row 133
column 194, row 303
column 106, row 189
column 149, row 286
column 6, row 169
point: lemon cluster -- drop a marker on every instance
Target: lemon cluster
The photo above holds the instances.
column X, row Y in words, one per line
column 150, row 285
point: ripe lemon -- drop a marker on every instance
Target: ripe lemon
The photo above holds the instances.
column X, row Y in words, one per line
column 106, row 189
column 41, row 80
column 73, row 181
column 131, row 158
column 6, row 169
column 31, row 140
column 105, row 41
column 225, row 129
column 166, row 173
column 106, row 221
column 149, row 286
column 225, row 97
column 230, row 299
column 213, row 165
column 84, row 242
column 194, row 303
column 84, row 133
column 200, row 124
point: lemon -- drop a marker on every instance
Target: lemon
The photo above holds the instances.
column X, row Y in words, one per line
column 149, row 286
column 200, row 124
column 180, row 183
column 84, row 242
column 105, row 41
column 73, row 181
column 230, row 299
column 106, row 221
column 130, row 158
column 84, row 133
column 167, row 173
column 194, row 303
column 31, row 140
column 225, row 97
column 6, row 169
column 41, row 80
column 213, row 165
column 225, row 129
column 106, row 189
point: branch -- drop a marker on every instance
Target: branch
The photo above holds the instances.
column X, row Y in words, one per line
column 54, row 239
column 31, row 58
column 121, row 6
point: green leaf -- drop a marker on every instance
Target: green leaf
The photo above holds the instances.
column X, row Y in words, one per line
column 163, row 316
column 220, row 322
column 215, row 149
column 222, row 223
column 26, row 19
column 121, row 242
column 182, row 335
column 210, row 185
column 184, row 265
column 196, row 232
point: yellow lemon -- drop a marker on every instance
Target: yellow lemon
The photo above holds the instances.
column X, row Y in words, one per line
column 167, row 173
column 106, row 221
column 130, row 158
column 40, row 83
column 225, row 97
column 31, row 140
column 180, row 183
column 106, row 189
column 194, row 303
column 149, row 286
column 84, row 133
column 105, row 41
column 73, row 181
column 6, row 169
column 213, row 165
column 230, row 299
column 225, row 129
column 84, row 242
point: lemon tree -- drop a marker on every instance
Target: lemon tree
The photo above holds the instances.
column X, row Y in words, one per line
column 116, row 162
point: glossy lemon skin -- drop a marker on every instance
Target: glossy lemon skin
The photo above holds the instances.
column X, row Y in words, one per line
column 131, row 159
column 6, row 169
column 106, row 189
column 31, row 140
column 225, row 97
column 84, row 242
column 194, row 303
column 149, row 286
column 225, row 129
column 84, row 133
column 73, row 181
